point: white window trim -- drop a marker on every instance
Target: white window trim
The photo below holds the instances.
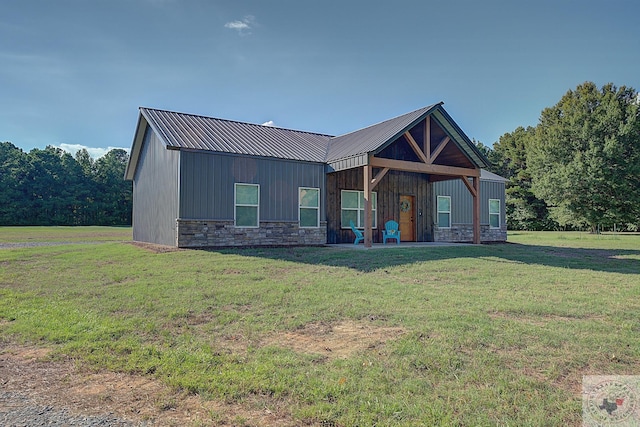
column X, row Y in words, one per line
column 307, row 207
column 438, row 211
column 374, row 209
column 498, row 213
column 235, row 205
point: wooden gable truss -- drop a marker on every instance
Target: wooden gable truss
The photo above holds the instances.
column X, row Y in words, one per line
column 456, row 165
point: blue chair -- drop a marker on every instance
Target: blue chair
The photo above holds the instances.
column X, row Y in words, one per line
column 390, row 232
column 358, row 233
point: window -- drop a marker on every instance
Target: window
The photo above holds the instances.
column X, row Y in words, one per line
column 352, row 208
column 309, row 207
column 494, row 213
column 444, row 211
column 247, row 204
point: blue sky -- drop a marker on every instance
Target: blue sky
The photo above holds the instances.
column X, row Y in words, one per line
column 74, row 72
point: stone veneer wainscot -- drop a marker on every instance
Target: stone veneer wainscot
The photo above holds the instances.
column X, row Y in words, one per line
column 464, row 233
column 216, row 233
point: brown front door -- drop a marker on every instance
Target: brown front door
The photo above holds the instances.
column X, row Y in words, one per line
column 407, row 219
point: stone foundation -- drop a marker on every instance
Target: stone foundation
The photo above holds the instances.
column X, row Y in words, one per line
column 460, row 233
column 215, row 233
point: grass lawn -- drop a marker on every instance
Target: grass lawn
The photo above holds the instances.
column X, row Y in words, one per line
column 463, row 336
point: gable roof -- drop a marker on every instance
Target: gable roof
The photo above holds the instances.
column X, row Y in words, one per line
column 358, row 144
column 375, row 137
column 180, row 130
column 195, row 132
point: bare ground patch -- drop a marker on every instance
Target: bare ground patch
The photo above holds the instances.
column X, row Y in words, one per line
column 335, row 341
column 136, row 398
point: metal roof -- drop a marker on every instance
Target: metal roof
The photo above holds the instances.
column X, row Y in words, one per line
column 375, row 137
column 188, row 131
column 485, row 175
column 195, row 132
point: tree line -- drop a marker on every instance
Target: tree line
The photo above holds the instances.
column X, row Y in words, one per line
column 579, row 167
column 52, row 187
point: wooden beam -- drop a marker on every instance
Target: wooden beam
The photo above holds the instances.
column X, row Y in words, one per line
column 375, row 181
column 427, row 138
column 439, row 148
column 415, row 147
column 469, row 186
column 403, row 165
column 368, row 232
column 476, row 210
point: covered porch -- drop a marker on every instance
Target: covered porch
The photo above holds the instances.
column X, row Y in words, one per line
column 396, row 163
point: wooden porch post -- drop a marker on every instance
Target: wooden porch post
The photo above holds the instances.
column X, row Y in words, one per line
column 476, row 210
column 368, row 233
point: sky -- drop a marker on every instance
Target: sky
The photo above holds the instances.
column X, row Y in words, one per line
column 74, row 72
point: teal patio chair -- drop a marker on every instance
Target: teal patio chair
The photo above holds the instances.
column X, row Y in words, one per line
column 391, row 232
column 358, row 233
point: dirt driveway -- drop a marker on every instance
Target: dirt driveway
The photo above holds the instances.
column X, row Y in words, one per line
column 37, row 391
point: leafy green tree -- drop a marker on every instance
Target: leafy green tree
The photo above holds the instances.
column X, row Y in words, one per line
column 509, row 156
column 586, row 160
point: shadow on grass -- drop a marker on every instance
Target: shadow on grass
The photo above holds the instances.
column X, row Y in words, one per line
column 623, row 261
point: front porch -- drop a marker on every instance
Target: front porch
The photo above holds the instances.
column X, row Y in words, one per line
column 392, row 169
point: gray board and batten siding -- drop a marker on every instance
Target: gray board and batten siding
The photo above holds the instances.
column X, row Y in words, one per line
column 207, row 185
column 155, row 192
column 462, row 202
column 492, row 186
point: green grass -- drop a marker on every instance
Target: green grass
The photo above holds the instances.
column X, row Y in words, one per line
column 63, row 234
column 493, row 334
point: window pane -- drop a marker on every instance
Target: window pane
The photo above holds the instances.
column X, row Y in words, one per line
column 309, row 197
column 494, row 206
column 444, row 204
column 246, row 216
column 350, row 199
column 308, row 217
column 443, row 220
column 494, row 221
column 246, row 194
column 374, row 200
column 348, row 215
column 361, row 197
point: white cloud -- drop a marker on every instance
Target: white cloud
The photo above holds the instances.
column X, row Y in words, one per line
column 95, row 153
column 269, row 123
column 243, row 27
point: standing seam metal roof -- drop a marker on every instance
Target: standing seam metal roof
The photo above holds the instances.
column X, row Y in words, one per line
column 195, row 132
column 189, row 131
column 373, row 137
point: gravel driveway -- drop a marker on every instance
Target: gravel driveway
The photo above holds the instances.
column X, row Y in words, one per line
column 19, row 410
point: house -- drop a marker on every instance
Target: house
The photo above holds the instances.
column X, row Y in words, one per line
column 202, row 182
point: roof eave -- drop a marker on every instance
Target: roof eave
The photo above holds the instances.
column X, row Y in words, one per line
column 136, row 147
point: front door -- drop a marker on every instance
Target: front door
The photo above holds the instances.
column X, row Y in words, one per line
column 407, row 218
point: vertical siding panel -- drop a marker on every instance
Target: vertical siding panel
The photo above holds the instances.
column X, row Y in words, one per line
column 209, row 183
column 462, row 202
column 156, row 192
